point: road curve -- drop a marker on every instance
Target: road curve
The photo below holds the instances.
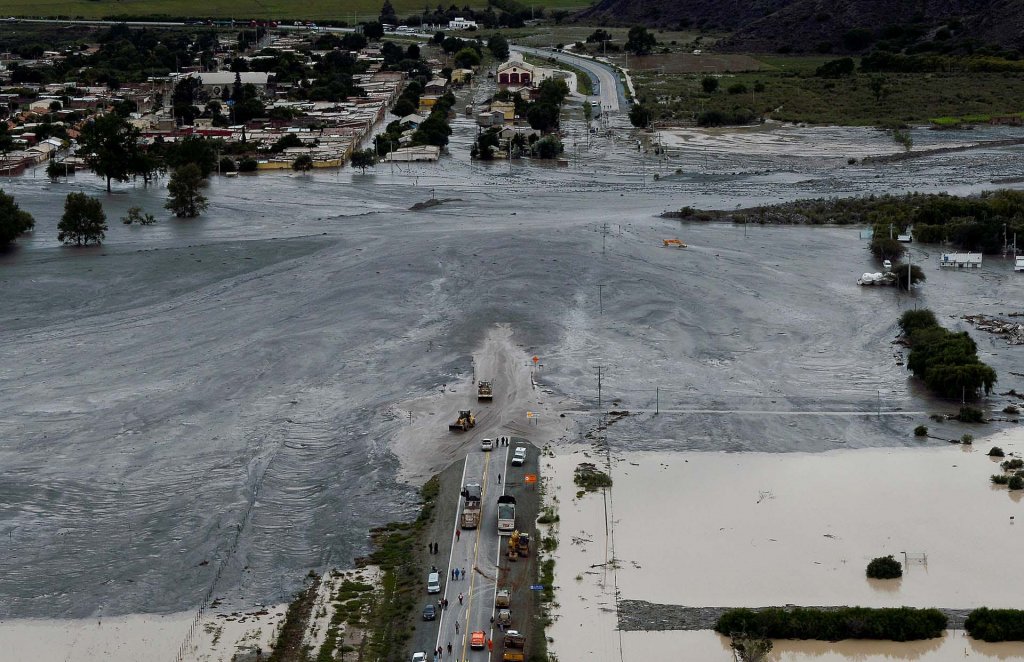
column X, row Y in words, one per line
column 610, row 94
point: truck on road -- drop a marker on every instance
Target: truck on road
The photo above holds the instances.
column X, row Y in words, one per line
column 471, row 508
column 506, row 513
column 484, row 391
column 515, row 647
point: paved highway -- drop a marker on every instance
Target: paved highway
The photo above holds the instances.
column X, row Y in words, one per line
column 610, row 95
column 477, row 553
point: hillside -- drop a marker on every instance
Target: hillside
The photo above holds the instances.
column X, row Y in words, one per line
column 824, row 26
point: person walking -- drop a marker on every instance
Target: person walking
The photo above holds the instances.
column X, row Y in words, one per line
column 460, row 598
column 446, row 603
column 455, row 574
column 490, row 644
column 499, row 479
column 463, row 573
column 449, row 648
column 458, row 534
column 456, row 627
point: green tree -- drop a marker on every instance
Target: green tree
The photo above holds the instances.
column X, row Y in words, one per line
column 403, row 107
column 83, row 220
column 136, row 215
column 467, row 58
column 302, row 163
column 373, row 30
column 110, row 146
column 709, row 84
column 55, row 169
column 185, row 199
column 548, row 147
column 193, row 149
column 364, row 158
column 542, row 116
column 433, row 131
column 498, row 46
column 588, row 112
column 6, row 139
column 640, row 41
column 640, row 116
column 13, row 220
column 885, row 567
column 553, row 91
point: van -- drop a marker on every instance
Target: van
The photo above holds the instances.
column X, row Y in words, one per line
column 434, row 582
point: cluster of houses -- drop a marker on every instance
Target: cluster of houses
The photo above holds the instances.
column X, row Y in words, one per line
column 329, row 131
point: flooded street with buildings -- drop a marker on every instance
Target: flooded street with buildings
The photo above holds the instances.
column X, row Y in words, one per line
column 205, row 409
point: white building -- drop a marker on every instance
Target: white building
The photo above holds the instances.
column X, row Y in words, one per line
column 960, row 260
column 215, row 83
column 461, row 24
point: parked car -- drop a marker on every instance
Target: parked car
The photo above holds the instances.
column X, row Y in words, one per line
column 519, row 457
column 434, row 582
column 419, row 657
column 429, row 613
column 486, row 444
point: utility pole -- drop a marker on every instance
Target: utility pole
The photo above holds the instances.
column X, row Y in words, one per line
column 600, row 299
column 599, row 386
column 657, row 400
column 604, row 237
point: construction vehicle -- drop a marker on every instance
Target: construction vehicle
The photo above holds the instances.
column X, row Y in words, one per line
column 471, row 510
column 506, row 513
column 503, row 598
column 523, row 545
column 484, row 391
column 515, row 640
column 504, row 617
column 464, row 422
column 513, row 545
column 673, row 243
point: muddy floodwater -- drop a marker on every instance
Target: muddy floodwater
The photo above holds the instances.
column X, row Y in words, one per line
column 206, row 409
column 762, row 529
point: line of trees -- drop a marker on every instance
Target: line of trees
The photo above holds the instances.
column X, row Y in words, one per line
column 894, row 624
column 995, row 624
column 947, row 362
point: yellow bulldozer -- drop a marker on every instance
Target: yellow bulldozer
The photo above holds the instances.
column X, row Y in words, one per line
column 518, row 545
column 464, row 422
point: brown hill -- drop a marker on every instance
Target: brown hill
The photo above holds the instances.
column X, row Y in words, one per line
column 842, row 26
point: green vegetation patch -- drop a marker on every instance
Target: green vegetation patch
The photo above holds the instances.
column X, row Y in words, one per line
column 947, row 362
column 590, row 478
column 895, row 624
column 885, row 567
column 790, row 89
column 996, row 624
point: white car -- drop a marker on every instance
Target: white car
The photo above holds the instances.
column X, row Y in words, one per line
column 519, row 457
column 486, row 444
column 419, row 657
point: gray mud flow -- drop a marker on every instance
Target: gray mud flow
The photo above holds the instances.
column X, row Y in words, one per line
column 209, row 404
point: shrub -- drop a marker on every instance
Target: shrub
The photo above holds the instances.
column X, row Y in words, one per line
column 900, row 624
column 1015, row 483
column 969, row 414
column 885, row 567
column 921, row 431
column 1000, row 479
column 995, row 624
column 1013, row 465
column 967, row 439
column 247, row 165
column 591, row 478
column 996, row 451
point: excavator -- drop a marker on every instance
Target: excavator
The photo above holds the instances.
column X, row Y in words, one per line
column 464, row 422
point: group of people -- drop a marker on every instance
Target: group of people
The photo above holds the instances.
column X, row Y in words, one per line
column 439, row 653
column 503, row 441
column 458, row 574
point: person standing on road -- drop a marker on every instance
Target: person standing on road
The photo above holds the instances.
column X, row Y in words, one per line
column 455, row 574
column 463, row 573
column 456, row 627
column 449, row 648
column 499, row 479
column 458, row 534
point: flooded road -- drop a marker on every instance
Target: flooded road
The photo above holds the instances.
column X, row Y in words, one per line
column 204, row 409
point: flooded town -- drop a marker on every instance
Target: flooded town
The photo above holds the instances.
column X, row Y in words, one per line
column 580, row 331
